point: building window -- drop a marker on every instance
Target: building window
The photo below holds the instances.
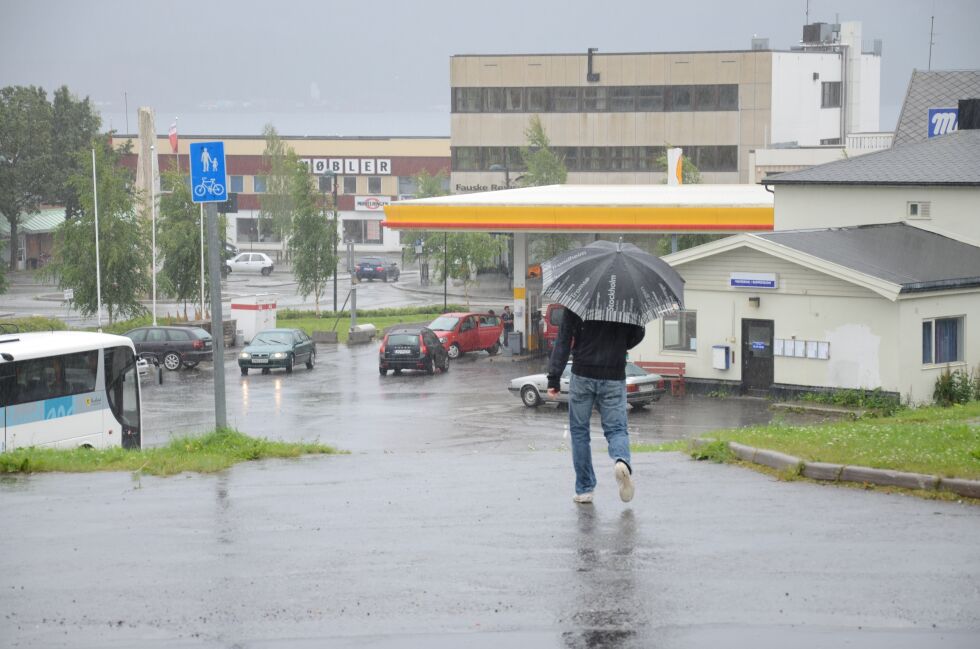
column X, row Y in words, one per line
column 236, row 184
column 650, row 99
column 942, row 340
column 621, row 158
column 494, row 100
column 919, row 209
column 680, row 331
column 622, row 100
column 407, row 186
column 513, row 100
column 565, row 100
column 467, row 100
column 705, row 98
column 728, row 96
column 362, row 231
column 374, row 184
column 594, row 99
column 537, row 100
column 350, row 184
column 830, row 94
column 466, row 158
column 830, row 141
column 679, row 98
column 259, row 184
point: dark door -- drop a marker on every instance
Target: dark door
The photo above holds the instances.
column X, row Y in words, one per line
column 757, row 357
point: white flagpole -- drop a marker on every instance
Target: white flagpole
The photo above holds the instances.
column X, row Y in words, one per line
column 153, row 218
column 202, row 259
column 98, row 269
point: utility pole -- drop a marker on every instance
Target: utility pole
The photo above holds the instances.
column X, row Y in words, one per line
column 217, row 323
column 932, row 23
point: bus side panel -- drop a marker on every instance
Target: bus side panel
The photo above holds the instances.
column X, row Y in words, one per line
column 43, row 423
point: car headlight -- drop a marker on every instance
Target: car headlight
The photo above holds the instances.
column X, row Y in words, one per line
column 245, row 356
column 279, row 355
column 442, row 340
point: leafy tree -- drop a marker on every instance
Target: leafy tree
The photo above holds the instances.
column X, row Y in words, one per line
column 544, row 166
column 124, row 249
column 25, row 155
column 460, row 254
column 179, row 239
column 312, row 244
column 73, row 125
column 276, row 207
column 690, row 174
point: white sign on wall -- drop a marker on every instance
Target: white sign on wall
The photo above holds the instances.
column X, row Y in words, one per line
column 753, row 280
column 351, row 166
column 371, row 203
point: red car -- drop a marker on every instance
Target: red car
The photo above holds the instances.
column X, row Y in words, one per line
column 468, row 332
column 550, row 324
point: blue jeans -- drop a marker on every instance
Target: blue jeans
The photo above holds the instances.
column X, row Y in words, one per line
column 610, row 397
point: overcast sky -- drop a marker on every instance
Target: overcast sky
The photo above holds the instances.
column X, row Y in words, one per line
column 381, row 67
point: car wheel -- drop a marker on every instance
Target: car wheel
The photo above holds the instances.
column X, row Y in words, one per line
column 267, row 271
column 382, row 371
column 454, row 352
column 429, row 366
column 311, row 362
column 530, row 396
column 445, row 364
column 494, row 350
column 190, row 365
column 244, row 371
column 289, row 365
column 172, row 361
column 397, row 372
column 639, row 406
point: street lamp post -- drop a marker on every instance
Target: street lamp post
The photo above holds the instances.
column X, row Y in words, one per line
column 333, row 182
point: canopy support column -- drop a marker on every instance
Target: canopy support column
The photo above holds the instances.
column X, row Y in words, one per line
column 520, row 285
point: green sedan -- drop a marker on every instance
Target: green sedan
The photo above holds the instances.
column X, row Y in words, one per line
column 278, row 348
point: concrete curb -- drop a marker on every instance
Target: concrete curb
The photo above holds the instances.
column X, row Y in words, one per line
column 844, row 473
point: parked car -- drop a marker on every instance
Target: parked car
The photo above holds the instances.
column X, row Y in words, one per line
column 230, row 251
column 550, row 324
column 642, row 387
column 273, row 348
column 412, row 348
column 468, row 332
column 377, row 268
column 250, row 262
column 173, row 347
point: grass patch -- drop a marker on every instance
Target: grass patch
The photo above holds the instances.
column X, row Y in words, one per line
column 875, row 400
column 312, row 323
column 32, row 323
column 665, row 447
column 934, row 440
column 716, row 451
column 213, row 452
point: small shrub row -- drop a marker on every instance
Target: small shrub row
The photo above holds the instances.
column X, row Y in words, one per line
column 957, row 386
column 876, row 399
column 294, row 314
column 32, row 323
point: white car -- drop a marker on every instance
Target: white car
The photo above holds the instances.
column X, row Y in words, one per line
column 250, row 262
column 642, row 387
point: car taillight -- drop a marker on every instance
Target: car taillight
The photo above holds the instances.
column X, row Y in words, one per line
column 198, row 344
column 423, row 350
column 383, row 343
column 379, row 268
column 632, row 387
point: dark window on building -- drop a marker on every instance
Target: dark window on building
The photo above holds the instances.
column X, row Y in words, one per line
column 374, row 184
column 566, row 100
column 622, row 100
column 830, row 141
column 494, row 100
column 595, row 99
column 593, row 158
column 830, row 94
column 942, row 340
column 728, row 96
column 537, row 100
column 467, row 100
column 466, row 158
column 679, row 98
column 513, row 100
column 350, row 184
column 569, row 156
column 650, row 99
column 407, row 186
column 705, row 98
column 236, row 184
column 646, row 158
column 259, row 184
column 726, row 158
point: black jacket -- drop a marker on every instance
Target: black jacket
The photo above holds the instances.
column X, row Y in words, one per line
column 598, row 348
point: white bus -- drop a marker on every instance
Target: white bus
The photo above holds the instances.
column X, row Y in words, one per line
column 68, row 389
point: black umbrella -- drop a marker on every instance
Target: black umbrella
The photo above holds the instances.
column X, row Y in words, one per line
column 615, row 282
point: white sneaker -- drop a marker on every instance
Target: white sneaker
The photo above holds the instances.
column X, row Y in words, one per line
column 625, row 480
column 583, row 499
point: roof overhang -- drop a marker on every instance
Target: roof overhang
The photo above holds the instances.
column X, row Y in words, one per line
column 592, row 208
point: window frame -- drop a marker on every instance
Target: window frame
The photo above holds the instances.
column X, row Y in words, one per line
column 682, row 331
column 830, row 94
column 930, row 340
column 374, row 184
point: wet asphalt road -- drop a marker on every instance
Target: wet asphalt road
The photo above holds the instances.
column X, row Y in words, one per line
column 451, row 524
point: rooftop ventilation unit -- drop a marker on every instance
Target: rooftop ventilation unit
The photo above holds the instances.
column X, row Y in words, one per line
column 760, row 43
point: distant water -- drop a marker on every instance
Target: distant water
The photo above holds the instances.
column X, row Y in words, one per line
column 372, row 124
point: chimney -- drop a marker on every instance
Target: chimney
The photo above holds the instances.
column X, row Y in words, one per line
column 969, row 114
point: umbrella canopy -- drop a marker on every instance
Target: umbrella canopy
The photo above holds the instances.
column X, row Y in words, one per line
column 614, row 282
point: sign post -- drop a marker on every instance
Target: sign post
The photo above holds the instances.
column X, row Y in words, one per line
column 208, row 186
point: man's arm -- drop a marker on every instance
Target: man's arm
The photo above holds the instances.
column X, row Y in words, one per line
column 635, row 336
column 563, row 348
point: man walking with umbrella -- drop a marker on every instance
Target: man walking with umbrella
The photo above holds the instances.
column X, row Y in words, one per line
column 610, row 291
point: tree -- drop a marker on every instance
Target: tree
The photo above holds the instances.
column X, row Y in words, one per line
column 313, row 236
column 276, row 211
column 124, row 247
column 25, row 155
column 179, row 239
column 544, row 167
column 461, row 254
column 73, row 125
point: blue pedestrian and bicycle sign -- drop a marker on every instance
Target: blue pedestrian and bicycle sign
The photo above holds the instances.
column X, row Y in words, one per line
column 208, row 172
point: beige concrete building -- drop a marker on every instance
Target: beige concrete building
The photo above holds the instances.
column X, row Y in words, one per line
column 611, row 115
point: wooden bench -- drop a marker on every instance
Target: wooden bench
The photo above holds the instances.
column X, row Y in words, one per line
column 671, row 371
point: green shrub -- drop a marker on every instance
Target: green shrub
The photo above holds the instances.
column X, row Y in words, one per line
column 32, row 323
column 716, row 451
column 956, row 386
column 875, row 399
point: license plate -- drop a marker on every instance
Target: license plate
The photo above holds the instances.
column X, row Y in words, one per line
column 260, row 360
column 403, row 351
column 646, row 388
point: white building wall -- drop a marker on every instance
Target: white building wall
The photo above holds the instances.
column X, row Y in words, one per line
column 953, row 211
column 867, row 115
column 796, row 95
column 915, row 380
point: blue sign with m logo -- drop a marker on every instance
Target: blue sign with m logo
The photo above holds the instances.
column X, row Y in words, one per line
column 943, row 121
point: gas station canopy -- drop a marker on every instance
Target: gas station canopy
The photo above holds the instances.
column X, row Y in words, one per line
column 592, row 208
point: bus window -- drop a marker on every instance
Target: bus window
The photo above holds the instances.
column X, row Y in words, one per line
column 54, row 376
column 122, row 390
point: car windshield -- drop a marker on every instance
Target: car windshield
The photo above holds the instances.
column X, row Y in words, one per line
column 403, row 339
column 443, row 323
column 635, row 370
column 273, row 338
column 371, row 262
